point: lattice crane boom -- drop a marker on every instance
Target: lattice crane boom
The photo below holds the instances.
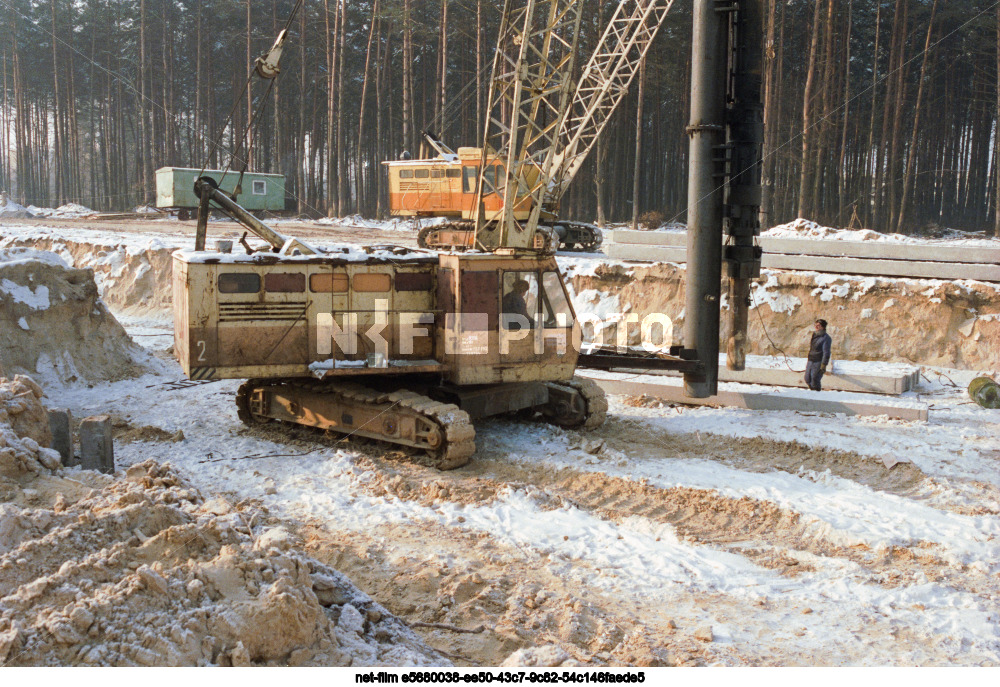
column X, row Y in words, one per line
column 530, row 96
column 603, row 83
column 541, row 125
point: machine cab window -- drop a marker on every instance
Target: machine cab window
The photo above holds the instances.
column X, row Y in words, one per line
column 470, row 177
column 519, row 300
column 556, row 310
column 524, row 305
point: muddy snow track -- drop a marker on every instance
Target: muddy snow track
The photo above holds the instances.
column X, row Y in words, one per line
column 628, row 545
column 499, row 595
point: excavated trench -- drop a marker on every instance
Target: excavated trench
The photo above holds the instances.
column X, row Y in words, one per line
column 871, row 318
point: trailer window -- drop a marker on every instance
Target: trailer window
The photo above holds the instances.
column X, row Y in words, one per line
column 421, row 173
column 437, row 173
column 285, row 282
column 414, row 281
column 328, row 283
column 453, row 173
column 259, row 188
column 406, row 174
column 239, row 282
column 372, row 282
column 556, row 311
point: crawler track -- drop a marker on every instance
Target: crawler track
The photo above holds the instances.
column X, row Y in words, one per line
column 568, row 236
column 447, row 433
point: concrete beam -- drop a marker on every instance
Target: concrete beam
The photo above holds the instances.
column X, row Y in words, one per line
column 842, row 403
column 844, row 375
column 879, row 250
column 819, row 263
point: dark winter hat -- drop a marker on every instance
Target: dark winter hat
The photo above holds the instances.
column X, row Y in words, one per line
column 822, row 323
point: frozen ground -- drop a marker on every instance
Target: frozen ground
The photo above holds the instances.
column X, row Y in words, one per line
column 782, row 532
column 671, row 535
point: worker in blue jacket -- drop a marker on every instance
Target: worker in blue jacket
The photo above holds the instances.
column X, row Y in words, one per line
column 819, row 356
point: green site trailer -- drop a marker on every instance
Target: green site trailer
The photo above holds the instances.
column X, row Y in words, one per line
column 175, row 188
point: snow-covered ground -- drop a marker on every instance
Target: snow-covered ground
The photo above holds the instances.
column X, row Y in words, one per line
column 937, row 606
column 669, row 535
column 808, row 229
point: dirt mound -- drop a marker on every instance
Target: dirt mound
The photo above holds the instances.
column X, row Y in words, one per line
column 67, row 211
column 58, row 328
column 144, row 571
column 133, row 279
column 11, row 210
column 871, row 318
column 24, row 432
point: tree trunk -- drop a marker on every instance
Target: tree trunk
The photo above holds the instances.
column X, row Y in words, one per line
column 841, row 171
column 442, row 79
column 145, row 173
column 805, row 202
column 343, row 191
column 897, row 115
column 873, row 157
column 57, row 158
column 479, row 68
column 996, row 139
column 822, row 125
column 770, row 124
column 408, row 135
column 361, row 106
column 637, row 167
column 912, row 156
column 300, row 139
column 332, row 184
column 248, row 162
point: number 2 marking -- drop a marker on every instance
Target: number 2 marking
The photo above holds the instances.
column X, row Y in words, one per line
column 201, row 351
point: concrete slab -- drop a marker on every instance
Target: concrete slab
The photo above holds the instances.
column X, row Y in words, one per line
column 61, row 426
column 879, row 250
column 97, row 449
column 819, row 263
column 738, row 396
column 845, row 375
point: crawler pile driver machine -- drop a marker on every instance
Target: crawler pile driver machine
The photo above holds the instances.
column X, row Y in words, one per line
column 410, row 346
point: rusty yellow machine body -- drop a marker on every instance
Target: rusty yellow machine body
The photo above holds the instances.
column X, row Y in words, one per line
column 407, row 346
column 447, row 186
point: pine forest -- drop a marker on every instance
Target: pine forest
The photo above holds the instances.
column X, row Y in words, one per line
column 878, row 114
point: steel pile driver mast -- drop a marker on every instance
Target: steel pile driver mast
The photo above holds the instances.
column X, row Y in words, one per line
column 726, row 131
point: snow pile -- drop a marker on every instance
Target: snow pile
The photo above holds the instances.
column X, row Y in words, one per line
column 672, row 226
column 24, row 437
column 67, row 211
column 11, row 210
column 394, row 224
column 807, row 229
column 144, row 571
column 64, row 332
